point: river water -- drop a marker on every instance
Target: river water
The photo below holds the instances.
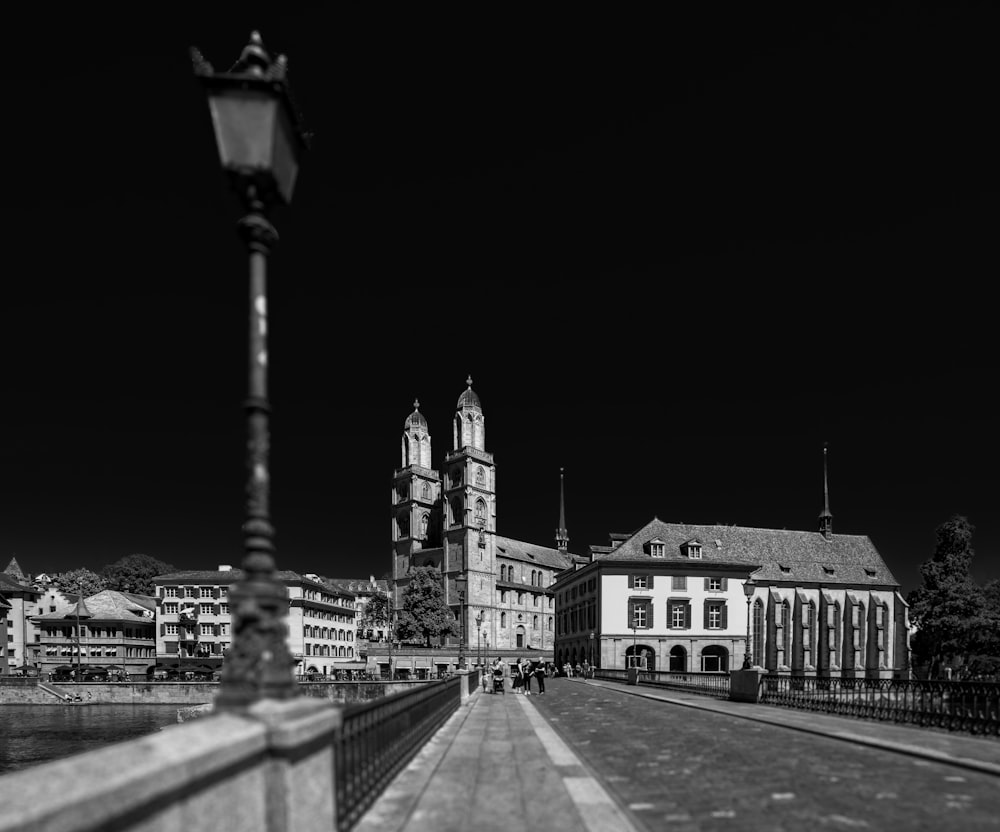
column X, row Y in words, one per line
column 34, row 734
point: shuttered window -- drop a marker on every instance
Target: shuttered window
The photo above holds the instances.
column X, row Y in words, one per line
column 679, row 611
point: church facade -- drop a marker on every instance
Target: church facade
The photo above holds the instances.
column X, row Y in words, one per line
column 446, row 517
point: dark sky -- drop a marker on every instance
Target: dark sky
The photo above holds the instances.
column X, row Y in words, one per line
column 676, row 254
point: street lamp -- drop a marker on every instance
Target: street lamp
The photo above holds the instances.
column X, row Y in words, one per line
column 460, row 584
column 592, row 650
column 635, row 623
column 479, row 643
column 749, row 587
column 260, row 140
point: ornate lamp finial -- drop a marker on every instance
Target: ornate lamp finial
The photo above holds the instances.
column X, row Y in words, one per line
column 416, row 404
column 469, row 381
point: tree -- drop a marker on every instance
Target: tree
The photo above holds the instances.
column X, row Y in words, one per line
column 948, row 610
column 424, row 612
column 375, row 613
column 135, row 573
column 82, row 581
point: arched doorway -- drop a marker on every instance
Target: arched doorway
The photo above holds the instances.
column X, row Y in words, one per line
column 678, row 659
column 641, row 655
column 519, row 634
column 714, row 659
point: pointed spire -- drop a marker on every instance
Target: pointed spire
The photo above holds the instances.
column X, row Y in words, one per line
column 825, row 516
column 562, row 536
column 81, row 609
column 14, row 570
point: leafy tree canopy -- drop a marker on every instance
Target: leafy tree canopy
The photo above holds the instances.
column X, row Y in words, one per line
column 82, row 581
column 424, row 612
column 135, row 573
column 949, row 610
column 375, row 613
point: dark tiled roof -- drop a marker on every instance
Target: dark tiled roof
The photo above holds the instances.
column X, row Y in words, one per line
column 108, row 605
column 213, row 576
column 807, row 555
column 14, row 570
column 8, row 584
column 529, row 552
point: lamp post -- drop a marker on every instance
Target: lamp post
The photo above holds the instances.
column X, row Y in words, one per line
column 635, row 623
column 479, row 643
column 592, row 650
column 260, row 140
column 460, row 584
column 749, row 587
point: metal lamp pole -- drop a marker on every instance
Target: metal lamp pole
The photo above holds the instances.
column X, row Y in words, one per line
column 749, row 587
column 479, row 636
column 461, row 622
column 260, row 139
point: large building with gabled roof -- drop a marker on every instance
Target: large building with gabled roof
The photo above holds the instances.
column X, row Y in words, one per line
column 447, row 519
column 671, row 596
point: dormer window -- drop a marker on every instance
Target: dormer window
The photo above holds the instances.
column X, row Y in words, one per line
column 870, row 573
column 785, row 569
column 828, row 570
column 657, row 548
column 692, row 549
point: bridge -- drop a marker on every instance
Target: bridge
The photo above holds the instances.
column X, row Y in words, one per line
column 588, row 754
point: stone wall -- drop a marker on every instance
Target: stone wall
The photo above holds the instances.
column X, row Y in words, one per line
column 270, row 768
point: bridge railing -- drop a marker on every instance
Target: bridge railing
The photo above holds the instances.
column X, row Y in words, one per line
column 376, row 739
column 972, row 707
column 705, row 684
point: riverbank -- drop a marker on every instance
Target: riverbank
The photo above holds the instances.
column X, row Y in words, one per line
column 178, row 693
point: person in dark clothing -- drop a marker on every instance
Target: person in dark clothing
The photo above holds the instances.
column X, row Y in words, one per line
column 539, row 673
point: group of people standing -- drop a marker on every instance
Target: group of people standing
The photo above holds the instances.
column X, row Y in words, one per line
column 522, row 674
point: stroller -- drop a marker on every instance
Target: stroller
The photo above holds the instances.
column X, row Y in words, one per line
column 498, row 680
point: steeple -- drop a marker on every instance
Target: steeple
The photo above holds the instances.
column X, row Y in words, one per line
column 562, row 536
column 416, row 442
column 470, row 425
column 825, row 517
column 14, row 571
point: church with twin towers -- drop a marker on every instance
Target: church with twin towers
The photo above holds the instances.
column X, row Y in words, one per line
column 446, row 517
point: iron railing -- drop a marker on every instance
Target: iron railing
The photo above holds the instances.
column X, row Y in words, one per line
column 703, row 684
column 973, row 707
column 378, row 738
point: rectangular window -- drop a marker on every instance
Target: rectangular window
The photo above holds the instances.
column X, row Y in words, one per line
column 658, row 550
column 679, row 582
column 715, row 616
column 189, row 592
column 206, row 609
column 207, row 630
column 224, row 609
column 170, row 592
column 206, row 592
column 639, row 616
column 639, row 582
column 678, row 616
column 715, row 584
column 170, row 609
column 711, row 664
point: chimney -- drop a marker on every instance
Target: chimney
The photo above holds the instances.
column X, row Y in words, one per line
column 225, row 567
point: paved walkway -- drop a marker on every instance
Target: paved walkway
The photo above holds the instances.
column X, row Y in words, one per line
column 499, row 764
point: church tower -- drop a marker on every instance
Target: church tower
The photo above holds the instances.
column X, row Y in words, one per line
column 562, row 535
column 416, row 501
column 469, row 515
column 825, row 517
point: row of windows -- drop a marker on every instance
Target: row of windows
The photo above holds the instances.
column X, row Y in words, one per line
column 326, row 650
column 538, row 578
column 325, row 633
column 520, row 598
column 535, row 622
column 678, row 583
column 195, row 592
column 202, row 609
column 99, row 632
column 101, row 651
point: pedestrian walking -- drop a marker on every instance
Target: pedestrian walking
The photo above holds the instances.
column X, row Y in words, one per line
column 526, row 674
column 517, row 678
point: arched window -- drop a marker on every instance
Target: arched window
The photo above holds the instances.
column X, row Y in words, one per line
column 714, row 659
column 550, row 623
column 785, row 632
column 503, row 620
column 424, row 520
column 457, row 515
column 480, row 513
column 425, row 492
column 503, row 572
column 480, row 475
column 678, row 659
column 534, row 623
column 404, row 524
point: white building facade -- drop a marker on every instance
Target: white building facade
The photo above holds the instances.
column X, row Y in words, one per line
column 671, row 597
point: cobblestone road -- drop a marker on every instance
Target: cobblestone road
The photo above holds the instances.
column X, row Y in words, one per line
column 681, row 769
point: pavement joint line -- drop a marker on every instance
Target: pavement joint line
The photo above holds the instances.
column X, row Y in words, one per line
column 598, row 809
column 845, row 736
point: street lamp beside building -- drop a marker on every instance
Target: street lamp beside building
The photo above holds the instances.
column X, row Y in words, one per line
column 749, row 587
column 260, row 141
column 460, row 584
column 479, row 638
